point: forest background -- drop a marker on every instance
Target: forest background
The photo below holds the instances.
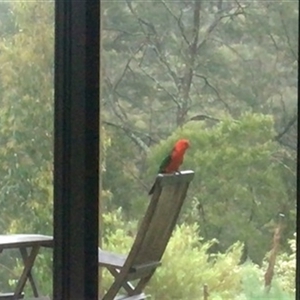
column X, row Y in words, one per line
column 222, row 74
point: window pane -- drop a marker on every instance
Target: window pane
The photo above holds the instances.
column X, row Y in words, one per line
column 224, row 75
column 26, row 133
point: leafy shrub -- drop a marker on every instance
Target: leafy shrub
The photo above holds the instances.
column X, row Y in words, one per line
column 187, row 266
column 238, row 186
column 285, row 269
column 253, row 287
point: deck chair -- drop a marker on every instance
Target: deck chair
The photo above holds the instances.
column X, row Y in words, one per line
column 151, row 239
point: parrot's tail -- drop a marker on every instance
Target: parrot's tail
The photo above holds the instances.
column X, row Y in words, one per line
column 152, row 189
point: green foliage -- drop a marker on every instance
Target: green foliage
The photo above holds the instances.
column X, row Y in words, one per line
column 286, row 267
column 120, row 173
column 253, row 288
column 244, row 70
column 237, row 188
column 26, row 93
column 26, row 98
column 188, row 265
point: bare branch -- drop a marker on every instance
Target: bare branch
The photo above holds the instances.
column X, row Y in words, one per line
column 126, row 67
column 140, row 20
column 155, row 45
column 220, row 5
column 164, row 61
column 282, row 104
column 287, row 36
column 143, row 56
column 215, row 90
column 203, row 118
column 273, row 41
column 178, row 20
column 138, row 141
column 196, row 26
column 222, row 42
column 118, row 30
column 276, row 47
column 114, row 103
column 288, row 145
column 138, row 179
column 122, row 115
column 161, row 86
column 280, row 161
column 240, row 6
column 189, row 69
column 215, row 23
column 287, row 128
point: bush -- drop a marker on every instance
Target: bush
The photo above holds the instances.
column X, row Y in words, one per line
column 187, row 266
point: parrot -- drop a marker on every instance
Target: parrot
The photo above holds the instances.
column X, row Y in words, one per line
column 173, row 161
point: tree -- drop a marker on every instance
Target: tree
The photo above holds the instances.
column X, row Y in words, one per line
column 27, row 119
column 238, row 189
column 155, row 80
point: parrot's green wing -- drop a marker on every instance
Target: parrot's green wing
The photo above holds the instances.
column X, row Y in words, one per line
column 164, row 164
column 166, row 161
column 162, row 169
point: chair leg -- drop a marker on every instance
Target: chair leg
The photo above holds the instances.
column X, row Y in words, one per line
column 143, row 282
column 30, row 277
column 129, row 288
column 27, row 268
column 115, row 287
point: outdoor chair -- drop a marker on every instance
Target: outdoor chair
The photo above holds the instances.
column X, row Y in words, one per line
column 151, row 239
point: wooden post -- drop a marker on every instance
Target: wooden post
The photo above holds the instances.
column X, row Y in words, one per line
column 273, row 254
column 205, row 292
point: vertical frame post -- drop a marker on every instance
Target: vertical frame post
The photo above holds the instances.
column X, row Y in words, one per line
column 76, row 149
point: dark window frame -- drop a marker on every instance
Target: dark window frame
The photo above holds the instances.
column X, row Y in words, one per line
column 76, row 150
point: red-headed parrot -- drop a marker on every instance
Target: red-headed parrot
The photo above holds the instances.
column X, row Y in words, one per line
column 173, row 161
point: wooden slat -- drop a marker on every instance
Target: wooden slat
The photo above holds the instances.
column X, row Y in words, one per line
column 110, row 259
column 38, row 298
column 142, row 273
column 141, row 296
column 162, row 222
column 10, row 296
column 146, row 266
column 172, row 179
column 107, row 258
column 10, row 241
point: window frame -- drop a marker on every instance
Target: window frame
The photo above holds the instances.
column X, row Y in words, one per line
column 76, row 149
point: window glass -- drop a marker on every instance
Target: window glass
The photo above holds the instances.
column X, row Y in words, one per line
column 26, row 133
column 222, row 74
